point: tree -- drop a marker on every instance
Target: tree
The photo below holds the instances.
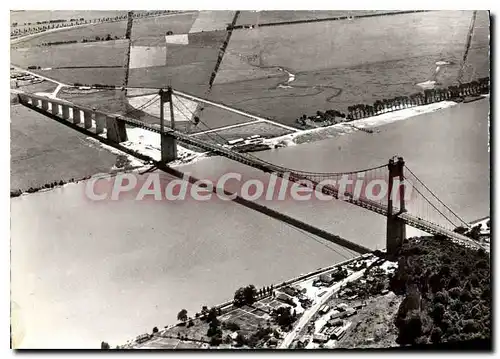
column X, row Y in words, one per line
column 155, row 330
column 410, row 329
column 216, row 340
column 182, row 315
column 104, row 346
column 438, row 312
column 212, row 315
column 250, row 293
column 240, row 340
column 245, row 295
column 283, row 316
column 108, row 37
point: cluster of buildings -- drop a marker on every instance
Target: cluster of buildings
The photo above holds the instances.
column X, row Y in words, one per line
column 22, row 79
column 287, row 295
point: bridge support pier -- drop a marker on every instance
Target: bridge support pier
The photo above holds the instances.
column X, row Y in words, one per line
column 168, row 148
column 396, row 228
column 76, row 115
column 168, row 143
column 65, row 112
column 100, row 122
column 116, row 130
column 45, row 105
column 396, row 234
column 54, row 108
column 87, row 119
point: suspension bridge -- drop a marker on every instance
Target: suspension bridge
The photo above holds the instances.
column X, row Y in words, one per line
column 414, row 204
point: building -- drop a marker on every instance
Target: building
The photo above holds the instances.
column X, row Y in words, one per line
column 335, row 314
column 335, row 322
column 326, row 279
column 284, row 297
column 338, row 333
column 348, row 312
column 342, row 307
column 324, row 309
column 320, row 338
column 358, row 305
column 289, row 291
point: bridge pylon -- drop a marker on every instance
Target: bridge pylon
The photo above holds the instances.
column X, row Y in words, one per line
column 396, row 227
column 168, row 143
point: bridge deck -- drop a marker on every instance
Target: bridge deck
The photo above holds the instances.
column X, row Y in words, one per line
column 292, row 175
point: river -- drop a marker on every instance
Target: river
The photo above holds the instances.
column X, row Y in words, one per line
column 83, row 272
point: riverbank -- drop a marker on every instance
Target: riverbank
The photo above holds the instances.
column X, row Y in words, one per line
column 352, row 304
column 340, row 129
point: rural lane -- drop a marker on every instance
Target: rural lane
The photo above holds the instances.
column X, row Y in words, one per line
column 308, row 314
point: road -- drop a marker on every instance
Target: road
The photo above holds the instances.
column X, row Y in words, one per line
column 308, row 314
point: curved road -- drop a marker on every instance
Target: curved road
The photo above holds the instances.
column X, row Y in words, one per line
column 308, row 314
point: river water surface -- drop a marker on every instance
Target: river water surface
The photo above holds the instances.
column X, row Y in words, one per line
column 83, row 272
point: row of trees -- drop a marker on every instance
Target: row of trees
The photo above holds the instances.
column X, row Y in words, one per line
column 55, row 24
column 18, row 192
column 249, row 294
column 447, row 292
column 108, row 37
column 359, row 111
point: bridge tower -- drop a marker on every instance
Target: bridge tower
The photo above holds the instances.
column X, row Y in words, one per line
column 168, row 143
column 396, row 228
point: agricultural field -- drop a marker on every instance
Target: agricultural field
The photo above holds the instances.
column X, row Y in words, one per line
column 114, row 76
column 110, row 101
column 77, row 33
column 213, row 20
column 188, row 67
column 326, row 45
column 215, row 117
column 277, row 16
column 96, row 54
column 44, row 151
column 253, row 74
column 148, row 31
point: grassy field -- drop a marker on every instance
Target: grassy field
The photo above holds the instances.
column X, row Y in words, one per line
column 106, row 53
column 44, row 86
column 215, row 117
column 266, row 17
column 89, row 76
column 330, row 44
column 44, row 151
column 111, row 101
column 332, row 73
column 213, row 20
column 79, row 33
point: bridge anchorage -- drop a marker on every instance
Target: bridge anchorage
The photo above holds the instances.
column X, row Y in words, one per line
column 421, row 209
